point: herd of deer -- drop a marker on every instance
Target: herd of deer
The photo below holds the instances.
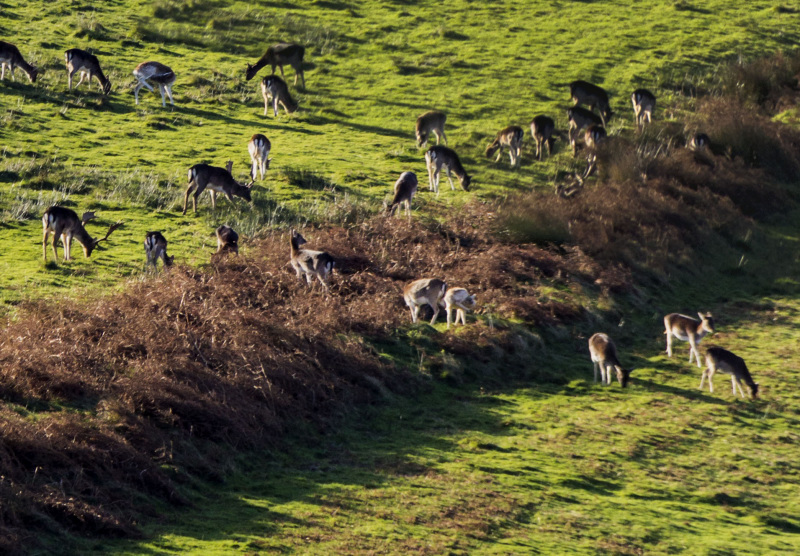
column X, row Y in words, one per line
column 64, row 223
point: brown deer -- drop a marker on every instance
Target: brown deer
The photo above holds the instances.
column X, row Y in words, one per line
column 216, row 180
column 700, row 142
column 279, row 55
column 81, row 61
column 583, row 92
column 594, row 135
column 426, row 291
column 64, row 223
column 158, row 73
column 404, row 190
column 438, row 157
column 580, row 118
column 542, row 130
column 460, row 301
column 431, row 122
column 644, row 103
column 275, row 89
column 723, row 361
column 11, row 57
column 155, row 247
column 604, row 357
column 310, row 263
column 689, row 330
column 511, row 138
column 259, row 147
column 227, row 240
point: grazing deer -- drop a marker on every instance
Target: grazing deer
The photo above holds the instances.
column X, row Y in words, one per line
column 81, row 61
column 310, row 263
column 437, row 157
column 227, row 240
column 155, row 247
column 460, row 301
column 216, row 180
column 431, row 122
column 723, row 361
column 425, row 291
column 510, row 137
column 580, row 118
column 10, row 57
column 259, row 147
column 583, row 92
column 604, row 357
column 274, row 88
column 64, row 223
column 280, row 55
column 593, row 136
column 158, row 73
column 699, row 142
column 689, row 330
column 542, row 130
column 404, row 190
column 644, row 102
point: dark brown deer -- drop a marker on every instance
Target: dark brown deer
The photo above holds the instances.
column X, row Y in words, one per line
column 155, row 247
column 64, row 223
column 216, row 180
column 404, row 190
column 274, row 89
column 510, row 138
column 11, row 57
column 227, row 240
column 81, row 61
column 279, row 55
column 431, row 122
column 158, row 73
column 425, row 291
column 438, row 157
column 259, row 147
column 580, row 118
column 542, row 130
column 604, row 357
column 310, row 263
column 723, row 361
column 583, row 92
column 689, row 330
column 644, row 103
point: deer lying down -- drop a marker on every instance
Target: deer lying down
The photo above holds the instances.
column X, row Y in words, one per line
column 310, row 263
column 689, row 330
column 723, row 361
column 604, row 357
column 64, row 223
column 460, row 301
column 425, row 291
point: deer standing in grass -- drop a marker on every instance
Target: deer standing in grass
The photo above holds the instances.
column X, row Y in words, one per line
column 689, row 330
column 274, row 89
column 216, row 180
column 425, row 291
column 580, row 118
column 88, row 65
column 604, row 357
column 644, row 103
column 158, row 73
column 259, row 147
column 310, row 263
column 431, row 122
column 279, row 55
column 155, row 247
column 460, row 301
column 723, row 361
column 595, row 134
column 404, row 190
column 227, row 240
column 439, row 157
column 588, row 94
column 64, row 223
column 11, row 57
column 510, row 138
column 542, row 130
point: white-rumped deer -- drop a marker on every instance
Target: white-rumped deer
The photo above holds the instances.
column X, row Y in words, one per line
column 723, row 361
column 64, row 223
column 460, row 301
column 404, row 190
column 588, row 94
column 279, row 55
column 158, row 73
column 227, row 240
column 689, row 330
column 699, row 142
column 310, row 263
column 604, row 357
column 425, row 291
column 259, row 147
column 216, row 180
column 542, row 130
column 274, row 89
column 11, row 57
column 431, row 122
column 81, row 61
column 580, row 118
column 155, row 247
column 438, row 157
column 510, row 138
column 644, row 103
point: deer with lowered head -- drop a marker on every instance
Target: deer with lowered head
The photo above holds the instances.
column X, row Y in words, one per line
column 216, row 180
column 594, row 135
column 604, row 357
column 88, row 65
column 580, row 118
column 275, row 90
column 404, row 190
column 155, row 247
column 439, row 157
column 158, row 73
column 259, row 147
column 431, row 122
column 64, row 223
column 689, row 330
column 227, row 240
column 542, row 130
column 310, row 263
column 11, row 58
column 460, row 301
column 588, row 94
column 510, row 138
column 723, row 361
column 279, row 55
column 644, row 102
column 425, row 291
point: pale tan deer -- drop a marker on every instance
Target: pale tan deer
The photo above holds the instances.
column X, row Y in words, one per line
column 723, row 361
column 460, row 301
column 11, row 57
column 510, row 138
column 88, row 65
column 404, row 190
column 274, row 89
column 604, row 357
column 588, row 94
column 259, row 147
column 64, row 223
column 689, row 330
column 594, row 135
column 155, row 247
column 439, row 157
column 216, row 180
column 542, row 130
column 425, row 291
column 580, row 118
column 279, row 55
column 227, row 240
column 158, row 73
column 310, row 263
column 431, row 122
column 644, row 103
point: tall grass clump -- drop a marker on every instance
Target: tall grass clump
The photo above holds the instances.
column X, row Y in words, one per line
column 770, row 82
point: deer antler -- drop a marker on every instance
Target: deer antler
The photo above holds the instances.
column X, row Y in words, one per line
column 110, row 231
column 88, row 215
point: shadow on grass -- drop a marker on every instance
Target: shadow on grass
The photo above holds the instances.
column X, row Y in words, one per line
column 689, row 394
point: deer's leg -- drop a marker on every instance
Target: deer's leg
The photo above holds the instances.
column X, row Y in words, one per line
column 496, row 159
column 703, row 378
column 189, row 189
column 669, row 343
column 3, row 70
column 414, row 312
column 275, row 106
column 322, row 281
column 450, row 179
column 463, row 314
column 449, row 309
column 296, row 268
column 163, row 98
column 169, row 93
column 435, row 308
column 596, row 367
column 693, row 341
column 66, row 239
column 80, row 79
column 213, row 199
